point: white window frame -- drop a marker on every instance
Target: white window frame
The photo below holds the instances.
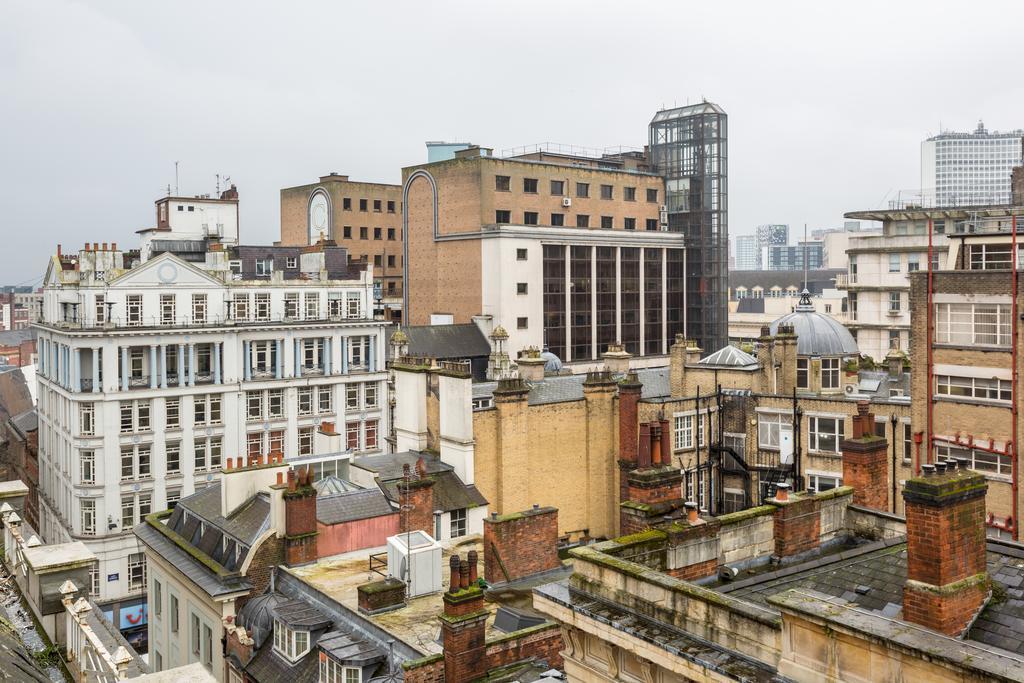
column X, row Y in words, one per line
column 292, row 644
column 957, row 323
column 773, row 422
column 87, row 515
column 815, row 434
column 830, row 375
column 198, row 308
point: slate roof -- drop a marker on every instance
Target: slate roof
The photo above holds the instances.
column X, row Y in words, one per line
column 872, row 577
column 348, row 650
column 350, row 506
column 818, row 334
column 450, row 493
column 561, row 388
column 817, row 280
column 26, row 422
column 15, row 337
column 300, row 615
column 245, row 524
column 213, row 584
column 447, row 342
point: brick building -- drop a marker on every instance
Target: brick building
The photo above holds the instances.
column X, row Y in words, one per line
column 565, row 252
column 966, row 340
column 365, row 218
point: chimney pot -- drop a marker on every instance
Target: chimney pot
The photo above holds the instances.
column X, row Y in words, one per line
column 494, row 515
column 453, row 566
column 463, row 574
column 113, row 246
column 536, row 506
column 691, row 512
column 782, row 492
column 963, row 463
column 104, row 247
column 940, row 466
column 86, row 247
column 95, row 246
column 280, row 478
column 472, row 557
column 928, row 469
column 58, row 250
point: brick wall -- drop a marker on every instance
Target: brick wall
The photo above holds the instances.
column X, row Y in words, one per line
column 416, row 498
column 655, row 485
column 797, row 525
column 426, row 670
column 520, row 544
column 463, row 629
column 542, row 642
column 379, row 596
column 269, row 555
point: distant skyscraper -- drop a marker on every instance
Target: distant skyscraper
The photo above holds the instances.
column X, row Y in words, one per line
column 969, row 169
column 748, row 253
column 768, row 235
column 688, row 146
column 782, row 257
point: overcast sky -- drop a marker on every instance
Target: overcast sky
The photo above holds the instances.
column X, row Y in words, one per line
column 827, row 104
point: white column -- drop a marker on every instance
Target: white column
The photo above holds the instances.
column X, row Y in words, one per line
column 371, row 361
column 298, row 358
column 328, row 365
column 192, row 364
column 95, row 370
column 344, row 355
column 76, row 369
column 215, row 350
column 125, row 369
column 181, row 365
column 163, row 366
column 152, row 366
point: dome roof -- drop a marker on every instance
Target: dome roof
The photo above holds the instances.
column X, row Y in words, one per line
column 399, row 337
column 332, row 485
column 817, row 334
column 552, row 363
column 729, row 357
column 499, row 333
column 257, row 616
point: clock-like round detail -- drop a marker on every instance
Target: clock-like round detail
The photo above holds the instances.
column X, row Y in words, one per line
column 319, row 218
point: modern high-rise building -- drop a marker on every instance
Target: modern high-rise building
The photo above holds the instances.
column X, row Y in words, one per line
column 771, row 234
column 970, row 169
column 748, row 253
column 688, row 147
column 793, row 257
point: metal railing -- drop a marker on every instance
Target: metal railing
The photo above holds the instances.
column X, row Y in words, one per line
column 120, row 322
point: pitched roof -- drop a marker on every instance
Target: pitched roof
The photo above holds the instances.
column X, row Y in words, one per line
column 463, row 340
column 212, row 583
column 337, row 508
column 729, row 356
column 450, row 492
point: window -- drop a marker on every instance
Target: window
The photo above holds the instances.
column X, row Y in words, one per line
column 370, row 395
column 172, row 453
column 829, row 373
column 167, row 307
column 291, row 262
column 629, row 223
column 241, row 302
column 325, row 399
column 305, row 441
column 312, row 300
column 275, row 403
column 346, row 232
column 199, row 308
column 817, row 483
column 87, row 466
column 502, row 183
column 982, row 461
column 206, row 453
column 652, row 224
column 583, row 190
column 332, row 672
column 263, row 306
column 894, row 302
column 971, row 324
column 771, row 427
column 87, row 419
column 683, row 432
column 521, row 254
column 522, row 323
column 353, row 304
column 391, row 234
column 363, row 205
column 652, row 195
column 521, row 288
column 305, row 400
column 254, row 405
column 913, row 262
column 894, row 263
column 364, row 233
column 194, row 633
column 352, row 397
column 378, row 234
column 606, row 222
column 207, row 646
column 264, row 267
column 606, row 192
column 87, row 508
column 134, row 416
column 352, row 436
column 391, row 209
column 582, row 221
column 557, row 187
column 290, row 643
column 802, row 381
column 377, row 205
column 391, row 261
column 127, row 512
column 530, row 185
column 346, row 203
column 529, row 218
column 558, row 219
column 206, row 409
column 480, row 403
column 133, row 306
column 291, row 305
column 158, row 599
column 458, row 525
column 908, row 442
column 824, row 434
column 502, row 216
column 101, row 308
column 981, row 388
column 371, row 434
column 173, row 608
column 629, row 194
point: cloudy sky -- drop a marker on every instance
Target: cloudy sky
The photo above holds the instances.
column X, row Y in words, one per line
column 827, row 105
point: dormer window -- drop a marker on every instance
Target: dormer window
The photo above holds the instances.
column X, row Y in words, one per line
column 264, row 267
column 289, row 643
column 332, row 672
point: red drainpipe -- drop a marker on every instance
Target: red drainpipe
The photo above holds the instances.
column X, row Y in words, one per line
column 1013, row 392
column 931, row 340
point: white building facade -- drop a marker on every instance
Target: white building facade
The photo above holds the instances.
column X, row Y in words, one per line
column 970, row 169
column 152, row 374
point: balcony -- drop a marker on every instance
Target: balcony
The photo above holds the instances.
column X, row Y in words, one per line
column 155, row 323
column 312, row 369
column 138, row 382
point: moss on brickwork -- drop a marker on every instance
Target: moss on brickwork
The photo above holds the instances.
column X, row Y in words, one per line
column 834, row 493
column 744, row 515
column 411, row 664
column 523, row 633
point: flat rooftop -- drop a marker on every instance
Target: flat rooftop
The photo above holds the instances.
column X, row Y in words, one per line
column 417, row 623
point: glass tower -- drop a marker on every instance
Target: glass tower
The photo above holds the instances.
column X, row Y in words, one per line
column 688, row 146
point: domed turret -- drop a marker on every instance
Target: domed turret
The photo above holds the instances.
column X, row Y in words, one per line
column 257, row 616
column 817, row 334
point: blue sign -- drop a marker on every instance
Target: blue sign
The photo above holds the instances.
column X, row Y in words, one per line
column 132, row 617
column 113, row 577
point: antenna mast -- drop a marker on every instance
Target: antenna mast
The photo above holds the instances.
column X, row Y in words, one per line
column 805, row 256
column 175, row 178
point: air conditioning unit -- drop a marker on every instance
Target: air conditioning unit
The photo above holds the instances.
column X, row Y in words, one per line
column 415, row 560
column 566, row 201
column 663, row 216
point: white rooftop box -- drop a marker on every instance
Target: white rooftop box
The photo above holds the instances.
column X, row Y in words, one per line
column 415, row 559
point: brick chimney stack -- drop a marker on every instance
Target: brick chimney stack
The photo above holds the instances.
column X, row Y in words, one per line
column 865, row 462
column 416, row 500
column 629, row 397
column 947, row 579
column 463, row 626
column 300, row 541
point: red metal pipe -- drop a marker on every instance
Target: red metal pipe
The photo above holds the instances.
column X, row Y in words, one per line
column 930, row 389
column 1013, row 391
